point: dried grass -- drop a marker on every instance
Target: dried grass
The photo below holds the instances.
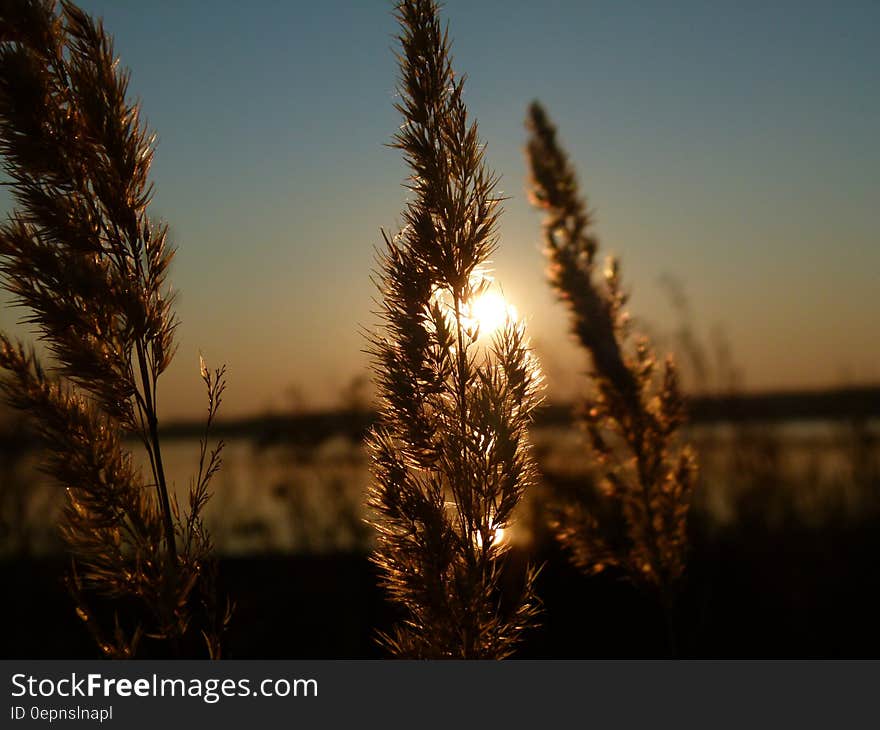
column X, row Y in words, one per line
column 81, row 255
column 634, row 416
column 450, row 454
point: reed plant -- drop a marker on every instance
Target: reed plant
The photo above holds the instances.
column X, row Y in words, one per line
column 450, row 456
column 89, row 266
column 634, row 415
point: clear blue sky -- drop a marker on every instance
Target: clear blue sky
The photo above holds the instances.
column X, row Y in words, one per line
column 732, row 145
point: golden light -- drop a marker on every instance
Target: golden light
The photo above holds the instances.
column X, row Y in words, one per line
column 483, row 315
column 499, row 537
column 490, row 312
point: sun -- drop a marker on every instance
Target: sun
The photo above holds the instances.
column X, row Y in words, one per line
column 490, row 312
column 500, row 537
column 483, row 314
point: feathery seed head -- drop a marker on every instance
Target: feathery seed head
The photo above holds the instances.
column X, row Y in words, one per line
column 633, row 419
column 457, row 382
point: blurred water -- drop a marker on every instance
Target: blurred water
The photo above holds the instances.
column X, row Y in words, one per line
column 284, row 498
column 280, row 498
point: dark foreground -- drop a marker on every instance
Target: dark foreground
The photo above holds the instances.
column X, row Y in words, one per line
column 799, row 594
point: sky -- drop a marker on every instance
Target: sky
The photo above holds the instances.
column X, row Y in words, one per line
column 730, row 146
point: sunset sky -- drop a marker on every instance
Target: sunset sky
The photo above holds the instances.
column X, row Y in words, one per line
column 732, row 146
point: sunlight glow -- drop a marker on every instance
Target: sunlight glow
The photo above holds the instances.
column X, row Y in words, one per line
column 484, row 315
column 499, row 537
column 490, row 312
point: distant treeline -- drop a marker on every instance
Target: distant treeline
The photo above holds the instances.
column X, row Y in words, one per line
column 316, row 427
column 306, row 429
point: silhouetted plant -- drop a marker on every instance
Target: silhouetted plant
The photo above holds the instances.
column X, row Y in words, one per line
column 450, row 455
column 81, row 255
column 633, row 418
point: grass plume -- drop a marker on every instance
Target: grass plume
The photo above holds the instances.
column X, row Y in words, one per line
column 450, row 454
column 634, row 416
column 81, row 255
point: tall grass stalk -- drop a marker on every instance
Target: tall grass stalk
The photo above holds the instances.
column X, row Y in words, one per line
column 634, row 416
column 450, row 455
column 81, row 255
